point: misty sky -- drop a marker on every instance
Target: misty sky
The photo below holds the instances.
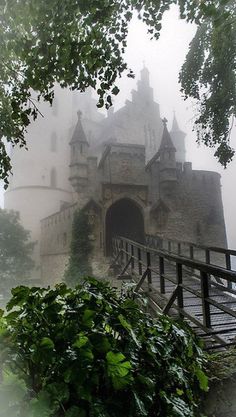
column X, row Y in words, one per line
column 164, row 58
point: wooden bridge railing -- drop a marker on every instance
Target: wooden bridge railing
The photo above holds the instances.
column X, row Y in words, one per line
column 193, row 250
column 210, row 255
column 175, row 283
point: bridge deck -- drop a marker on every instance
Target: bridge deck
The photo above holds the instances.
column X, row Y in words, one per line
column 199, row 292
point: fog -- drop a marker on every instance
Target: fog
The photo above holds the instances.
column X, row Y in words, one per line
column 53, row 254
column 164, row 59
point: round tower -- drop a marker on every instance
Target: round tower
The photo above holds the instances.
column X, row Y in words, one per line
column 39, row 184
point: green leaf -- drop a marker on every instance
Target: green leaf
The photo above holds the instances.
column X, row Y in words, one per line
column 20, row 295
column 47, row 343
column 118, row 369
column 115, row 90
column 128, row 327
column 87, row 319
column 81, row 341
column 140, row 405
column 202, row 379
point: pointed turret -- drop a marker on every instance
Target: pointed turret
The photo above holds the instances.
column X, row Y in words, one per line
column 79, row 135
column 166, row 142
column 178, row 138
column 175, row 126
column 167, row 156
column 144, row 93
column 79, row 153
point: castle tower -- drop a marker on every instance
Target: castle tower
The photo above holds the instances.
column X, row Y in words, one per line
column 167, row 153
column 39, row 184
column 78, row 161
column 178, row 139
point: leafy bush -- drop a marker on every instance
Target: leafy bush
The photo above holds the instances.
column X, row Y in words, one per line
column 89, row 352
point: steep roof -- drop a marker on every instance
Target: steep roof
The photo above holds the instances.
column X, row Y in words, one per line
column 79, row 134
column 166, row 141
column 175, row 126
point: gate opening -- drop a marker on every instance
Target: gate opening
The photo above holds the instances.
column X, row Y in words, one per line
column 124, row 218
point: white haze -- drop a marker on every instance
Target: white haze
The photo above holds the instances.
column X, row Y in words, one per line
column 164, row 58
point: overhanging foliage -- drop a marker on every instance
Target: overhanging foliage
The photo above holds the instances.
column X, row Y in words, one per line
column 79, row 43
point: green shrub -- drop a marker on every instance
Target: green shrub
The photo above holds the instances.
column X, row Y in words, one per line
column 80, row 249
column 87, row 352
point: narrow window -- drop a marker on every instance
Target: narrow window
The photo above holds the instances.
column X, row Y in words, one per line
column 64, row 239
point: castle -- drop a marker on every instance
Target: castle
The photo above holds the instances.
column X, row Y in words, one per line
column 126, row 170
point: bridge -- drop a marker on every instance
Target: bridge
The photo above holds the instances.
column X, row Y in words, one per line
column 185, row 280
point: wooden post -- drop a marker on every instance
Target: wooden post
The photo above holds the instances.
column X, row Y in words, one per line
column 122, row 253
column 191, row 252
column 161, row 272
column 207, row 256
column 228, row 261
column 179, row 276
column 228, row 266
column 149, row 272
column 126, row 250
column 132, row 259
column 169, row 246
column 205, row 304
column 139, row 262
column 179, row 248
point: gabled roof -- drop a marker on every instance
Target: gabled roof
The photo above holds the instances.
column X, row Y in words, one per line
column 79, row 135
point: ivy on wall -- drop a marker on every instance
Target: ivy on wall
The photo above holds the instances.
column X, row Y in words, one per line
column 80, row 250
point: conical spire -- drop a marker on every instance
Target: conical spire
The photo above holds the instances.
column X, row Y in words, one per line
column 175, row 126
column 178, row 136
column 79, row 134
column 166, row 141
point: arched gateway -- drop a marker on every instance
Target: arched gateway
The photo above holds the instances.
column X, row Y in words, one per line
column 124, row 218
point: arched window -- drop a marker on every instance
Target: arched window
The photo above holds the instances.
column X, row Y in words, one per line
column 53, row 144
column 53, row 178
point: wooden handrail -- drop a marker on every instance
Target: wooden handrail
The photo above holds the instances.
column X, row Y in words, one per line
column 195, row 264
column 195, row 245
column 139, row 257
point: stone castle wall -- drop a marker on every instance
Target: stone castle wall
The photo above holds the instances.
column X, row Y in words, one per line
column 187, row 209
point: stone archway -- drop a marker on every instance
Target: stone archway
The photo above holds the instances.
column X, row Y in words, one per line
column 124, row 218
